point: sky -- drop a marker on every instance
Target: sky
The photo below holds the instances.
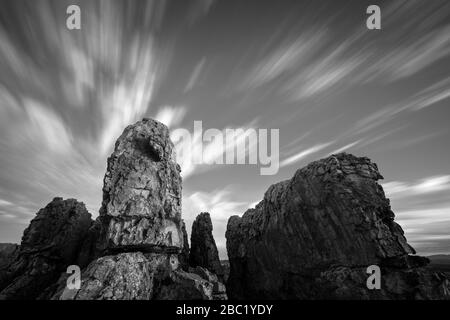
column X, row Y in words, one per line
column 311, row 69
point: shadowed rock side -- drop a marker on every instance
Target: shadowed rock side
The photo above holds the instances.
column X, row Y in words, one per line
column 49, row 244
column 312, row 237
column 203, row 251
column 8, row 253
column 133, row 250
column 184, row 256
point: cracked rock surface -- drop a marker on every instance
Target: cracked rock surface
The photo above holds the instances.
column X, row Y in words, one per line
column 313, row 236
column 137, row 248
column 141, row 205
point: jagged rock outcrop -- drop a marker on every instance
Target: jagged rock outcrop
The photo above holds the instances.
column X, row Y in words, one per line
column 313, row 237
column 49, row 245
column 203, row 250
column 133, row 250
column 141, row 206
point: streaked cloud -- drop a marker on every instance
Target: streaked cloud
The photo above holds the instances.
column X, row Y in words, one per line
column 285, row 59
column 304, row 153
column 346, row 147
column 48, row 126
column 398, row 189
column 219, row 203
column 213, row 152
column 195, row 75
column 171, row 116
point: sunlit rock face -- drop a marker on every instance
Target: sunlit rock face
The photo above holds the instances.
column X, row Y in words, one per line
column 141, row 206
column 313, row 237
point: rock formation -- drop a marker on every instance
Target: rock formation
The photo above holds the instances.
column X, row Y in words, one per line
column 313, row 237
column 135, row 248
column 184, row 256
column 8, row 253
column 203, row 251
column 49, row 245
column 141, row 206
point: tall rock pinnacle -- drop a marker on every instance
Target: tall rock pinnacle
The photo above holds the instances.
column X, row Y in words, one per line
column 142, row 191
column 203, row 251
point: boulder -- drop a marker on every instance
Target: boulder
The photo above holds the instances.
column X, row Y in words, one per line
column 49, row 245
column 313, row 237
column 203, row 251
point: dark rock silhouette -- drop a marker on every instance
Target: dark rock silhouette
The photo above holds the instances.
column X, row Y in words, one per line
column 313, row 237
column 184, row 256
column 203, row 251
column 49, row 245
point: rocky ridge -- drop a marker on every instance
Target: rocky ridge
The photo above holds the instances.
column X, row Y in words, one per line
column 313, row 237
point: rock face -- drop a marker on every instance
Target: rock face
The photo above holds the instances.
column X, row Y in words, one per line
column 184, row 256
column 136, row 248
column 219, row 291
column 8, row 253
column 141, row 206
column 49, row 245
column 313, row 237
column 126, row 276
column 203, row 247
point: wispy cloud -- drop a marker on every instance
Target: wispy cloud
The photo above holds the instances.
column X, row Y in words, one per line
column 346, row 147
column 427, row 229
column 48, row 126
column 398, row 189
column 430, row 96
column 304, row 153
column 213, row 152
column 195, row 75
column 219, row 203
column 285, row 59
column 171, row 116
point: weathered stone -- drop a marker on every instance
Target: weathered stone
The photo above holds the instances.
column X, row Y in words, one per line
column 126, row 276
column 8, row 253
column 141, row 207
column 49, row 245
column 219, row 291
column 203, row 247
column 182, row 285
column 312, row 237
column 132, row 250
